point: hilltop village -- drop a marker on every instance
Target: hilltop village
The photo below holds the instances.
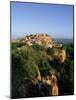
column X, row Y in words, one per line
column 46, row 41
column 41, row 39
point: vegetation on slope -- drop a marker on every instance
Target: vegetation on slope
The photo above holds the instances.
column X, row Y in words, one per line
column 25, row 59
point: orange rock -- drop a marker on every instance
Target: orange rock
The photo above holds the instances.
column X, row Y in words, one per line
column 55, row 90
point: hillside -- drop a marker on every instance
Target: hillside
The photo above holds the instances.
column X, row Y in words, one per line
column 29, row 61
column 45, row 41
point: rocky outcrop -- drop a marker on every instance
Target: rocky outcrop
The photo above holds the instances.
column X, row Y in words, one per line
column 60, row 54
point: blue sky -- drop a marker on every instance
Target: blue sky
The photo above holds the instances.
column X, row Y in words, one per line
column 55, row 20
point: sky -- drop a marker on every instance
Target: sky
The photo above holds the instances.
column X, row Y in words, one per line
column 31, row 18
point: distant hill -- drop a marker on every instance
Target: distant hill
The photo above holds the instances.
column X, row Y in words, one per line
column 64, row 40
